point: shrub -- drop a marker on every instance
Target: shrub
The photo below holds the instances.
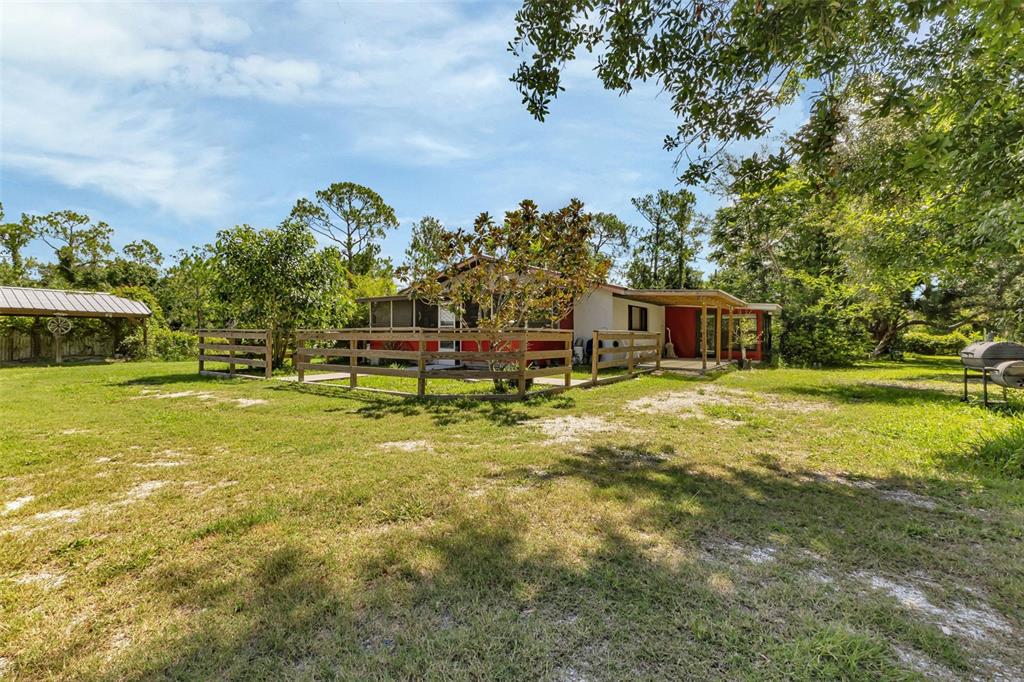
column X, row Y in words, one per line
column 926, row 343
column 164, row 344
column 1004, row 451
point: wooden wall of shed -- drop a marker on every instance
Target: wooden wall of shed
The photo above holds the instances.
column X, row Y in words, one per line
column 16, row 346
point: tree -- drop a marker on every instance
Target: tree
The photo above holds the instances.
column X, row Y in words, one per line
column 188, row 290
column 426, row 244
column 140, row 265
column 611, row 237
column 664, row 252
column 353, row 216
column 81, row 247
column 13, row 238
column 277, row 278
column 532, row 266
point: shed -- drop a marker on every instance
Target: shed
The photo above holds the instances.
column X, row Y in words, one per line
column 59, row 304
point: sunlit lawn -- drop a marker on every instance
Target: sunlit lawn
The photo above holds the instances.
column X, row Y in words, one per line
column 769, row 524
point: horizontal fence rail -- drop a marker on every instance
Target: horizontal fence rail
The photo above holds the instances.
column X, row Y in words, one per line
column 626, row 348
column 507, row 355
column 245, row 347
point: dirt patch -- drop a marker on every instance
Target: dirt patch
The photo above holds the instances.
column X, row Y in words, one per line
column 920, row 663
column 570, row 429
column 158, row 395
column 977, row 623
column 408, row 446
column 47, row 580
column 72, row 432
column 16, row 504
column 898, row 495
column 752, row 554
column 65, row 515
column 695, row 403
column 248, row 402
column 140, row 492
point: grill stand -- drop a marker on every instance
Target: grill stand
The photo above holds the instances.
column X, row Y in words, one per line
column 984, row 386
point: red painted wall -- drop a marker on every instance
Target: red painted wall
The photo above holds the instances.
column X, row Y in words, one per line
column 683, row 323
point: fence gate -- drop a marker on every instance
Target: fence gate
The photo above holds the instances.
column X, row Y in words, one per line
column 246, row 347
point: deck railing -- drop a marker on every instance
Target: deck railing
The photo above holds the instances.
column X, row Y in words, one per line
column 633, row 347
column 504, row 355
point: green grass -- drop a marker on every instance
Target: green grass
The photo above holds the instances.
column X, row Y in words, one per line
column 762, row 524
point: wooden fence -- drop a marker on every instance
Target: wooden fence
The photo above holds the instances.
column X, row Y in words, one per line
column 507, row 355
column 632, row 353
column 246, row 347
column 17, row 346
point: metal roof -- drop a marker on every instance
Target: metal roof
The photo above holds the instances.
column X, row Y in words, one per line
column 28, row 301
column 684, row 297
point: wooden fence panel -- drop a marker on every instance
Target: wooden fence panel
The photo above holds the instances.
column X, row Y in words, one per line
column 258, row 354
column 632, row 352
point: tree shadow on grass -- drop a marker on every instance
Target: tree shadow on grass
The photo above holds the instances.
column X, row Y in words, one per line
column 443, row 412
column 654, row 582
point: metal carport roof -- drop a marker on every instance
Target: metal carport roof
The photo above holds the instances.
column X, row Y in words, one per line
column 50, row 302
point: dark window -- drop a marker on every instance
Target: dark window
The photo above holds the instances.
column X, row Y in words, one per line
column 471, row 314
column 637, row 318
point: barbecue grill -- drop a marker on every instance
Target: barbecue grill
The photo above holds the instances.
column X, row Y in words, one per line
column 999, row 361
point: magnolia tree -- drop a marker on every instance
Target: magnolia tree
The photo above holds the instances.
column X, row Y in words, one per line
column 529, row 267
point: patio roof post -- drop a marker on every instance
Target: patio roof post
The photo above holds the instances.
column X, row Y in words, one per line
column 703, row 335
column 718, row 333
column 730, row 337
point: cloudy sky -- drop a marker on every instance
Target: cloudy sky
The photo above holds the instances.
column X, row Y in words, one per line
column 172, row 121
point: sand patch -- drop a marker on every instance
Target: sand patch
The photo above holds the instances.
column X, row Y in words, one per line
column 408, row 446
column 18, row 503
column 47, row 580
column 65, row 515
column 158, row 395
column 103, row 460
column 980, row 623
column 140, row 492
column 570, row 429
column 898, row 495
column 695, row 403
column 248, row 402
column 72, row 432
column 160, row 464
column 751, row 554
column 920, row 663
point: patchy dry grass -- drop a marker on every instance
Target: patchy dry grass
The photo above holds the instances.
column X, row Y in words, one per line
column 788, row 524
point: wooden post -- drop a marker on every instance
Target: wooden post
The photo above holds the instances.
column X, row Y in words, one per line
column 145, row 335
column 268, row 354
column 703, row 335
column 629, row 355
column 231, row 353
column 202, row 340
column 421, row 367
column 521, row 379
column 58, row 357
column 353, row 363
column 657, row 354
column 732, row 318
column 568, row 360
column 595, row 344
column 718, row 334
column 300, row 343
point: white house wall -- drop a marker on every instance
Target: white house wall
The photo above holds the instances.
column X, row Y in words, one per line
column 620, row 315
column 600, row 310
column 592, row 311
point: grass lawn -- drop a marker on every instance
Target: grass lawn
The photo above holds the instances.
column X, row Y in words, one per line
column 767, row 524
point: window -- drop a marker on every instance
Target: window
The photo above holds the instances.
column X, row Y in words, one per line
column 749, row 322
column 637, row 318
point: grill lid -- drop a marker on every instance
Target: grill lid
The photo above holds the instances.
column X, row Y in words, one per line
column 990, row 353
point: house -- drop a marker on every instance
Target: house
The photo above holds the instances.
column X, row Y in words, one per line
column 678, row 314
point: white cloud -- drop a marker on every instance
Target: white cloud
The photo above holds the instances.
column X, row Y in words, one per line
column 126, row 148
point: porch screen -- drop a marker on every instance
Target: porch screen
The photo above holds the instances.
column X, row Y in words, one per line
column 380, row 313
column 401, row 315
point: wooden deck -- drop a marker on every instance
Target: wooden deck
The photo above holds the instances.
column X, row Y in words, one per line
column 687, row 365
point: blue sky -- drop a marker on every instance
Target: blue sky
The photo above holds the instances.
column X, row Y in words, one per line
column 172, row 121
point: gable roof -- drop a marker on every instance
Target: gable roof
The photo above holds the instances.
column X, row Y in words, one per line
column 30, row 301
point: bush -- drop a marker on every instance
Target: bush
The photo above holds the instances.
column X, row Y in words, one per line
column 926, row 343
column 1004, row 451
column 164, row 344
column 821, row 326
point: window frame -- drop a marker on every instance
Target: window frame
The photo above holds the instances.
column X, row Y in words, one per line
column 644, row 318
